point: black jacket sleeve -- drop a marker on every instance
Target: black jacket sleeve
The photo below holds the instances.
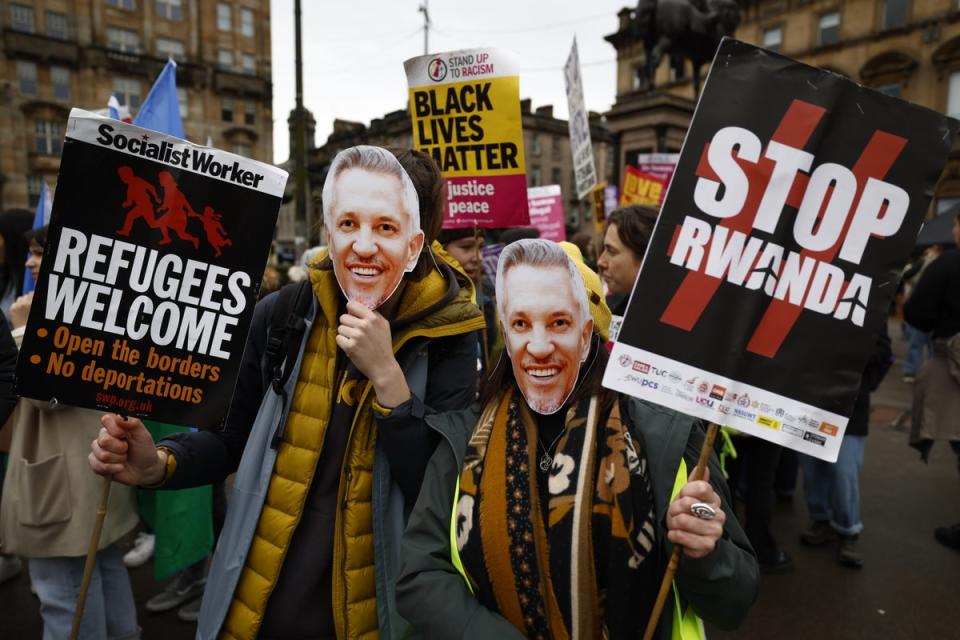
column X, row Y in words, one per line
column 935, row 302
column 451, row 385
column 8, row 365
column 206, row 457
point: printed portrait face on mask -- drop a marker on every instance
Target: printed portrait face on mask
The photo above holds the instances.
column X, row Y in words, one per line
column 372, row 217
column 545, row 319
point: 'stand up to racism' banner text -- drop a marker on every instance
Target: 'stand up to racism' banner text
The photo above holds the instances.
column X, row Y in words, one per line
column 465, row 108
column 154, row 256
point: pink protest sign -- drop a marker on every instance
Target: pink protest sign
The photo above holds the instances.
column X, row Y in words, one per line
column 546, row 212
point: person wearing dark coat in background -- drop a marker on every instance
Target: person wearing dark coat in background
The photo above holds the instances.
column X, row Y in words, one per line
column 625, row 241
column 13, row 251
column 465, row 246
column 935, row 307
column 832, row 490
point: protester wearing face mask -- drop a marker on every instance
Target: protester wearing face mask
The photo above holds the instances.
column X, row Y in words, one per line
column 550, row 510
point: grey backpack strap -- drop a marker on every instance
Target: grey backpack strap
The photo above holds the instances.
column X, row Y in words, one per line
column 389, row 501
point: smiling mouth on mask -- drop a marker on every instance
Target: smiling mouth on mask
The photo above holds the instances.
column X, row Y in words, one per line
column 542, row 372
column 365, row 270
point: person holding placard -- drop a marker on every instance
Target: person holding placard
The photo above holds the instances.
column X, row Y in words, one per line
column 551, row 509
column 331, row 452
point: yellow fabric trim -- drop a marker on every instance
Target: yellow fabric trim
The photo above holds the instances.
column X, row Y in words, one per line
column 686, row 624
column 170, row 466
column 382, row 410
column 454, row 549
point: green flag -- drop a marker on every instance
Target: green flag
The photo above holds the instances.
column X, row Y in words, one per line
column 182, row 519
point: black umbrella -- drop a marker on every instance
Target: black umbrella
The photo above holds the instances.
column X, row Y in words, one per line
column 939, row 230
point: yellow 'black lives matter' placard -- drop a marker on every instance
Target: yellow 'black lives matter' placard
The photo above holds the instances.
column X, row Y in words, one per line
column 153, row 261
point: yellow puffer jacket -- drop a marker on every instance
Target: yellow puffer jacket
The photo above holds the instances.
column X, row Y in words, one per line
column 354, row 588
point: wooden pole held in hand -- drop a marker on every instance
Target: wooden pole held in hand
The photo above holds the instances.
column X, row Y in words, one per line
column 483, row 333
column 91, row 558
column 674, row 563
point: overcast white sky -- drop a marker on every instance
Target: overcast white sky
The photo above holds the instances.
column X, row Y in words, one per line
column 353, row 52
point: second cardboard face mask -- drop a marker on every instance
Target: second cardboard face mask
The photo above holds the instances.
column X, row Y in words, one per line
column 546, row 321
column 372, row 218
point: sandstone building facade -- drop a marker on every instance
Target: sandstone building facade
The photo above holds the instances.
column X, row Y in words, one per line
column 59, row 54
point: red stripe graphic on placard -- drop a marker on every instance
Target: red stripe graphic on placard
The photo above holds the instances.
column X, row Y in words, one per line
column 781, row 316
column 697, row 289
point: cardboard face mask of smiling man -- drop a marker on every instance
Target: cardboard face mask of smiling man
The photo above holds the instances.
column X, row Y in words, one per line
column 546, row 321
column 372, row 217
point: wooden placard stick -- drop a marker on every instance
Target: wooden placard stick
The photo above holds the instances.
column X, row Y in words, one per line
column 674, row 563
column 91, row 557
column 483, row 332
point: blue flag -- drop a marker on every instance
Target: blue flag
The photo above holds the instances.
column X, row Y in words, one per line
column 113, row 107
column 161, row 111
column 40, row 218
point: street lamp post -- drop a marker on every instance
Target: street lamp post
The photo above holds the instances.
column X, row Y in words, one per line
column 300, row 146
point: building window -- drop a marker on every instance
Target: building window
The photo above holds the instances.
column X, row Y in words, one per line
column 248, row 64
column 34, row 189
column 182, row 102
column 894, row 14
column 225, row 59
column 246, row 22
column 224, row 17
column 828, row 31
column 127, row 91
column 27, row 77
column 60, row 79
column 891, row 89
column 169, row 48
column 123, row 40
column 129, row 5
column 226, row 109
column 556, row 149
column 49, row 137
column 250, row 113
column 242, row 149
column 556, row 175
column 21, row 18
column 533, row 177
column 169, row 9
column 56, row 25
column 535, row 144
column 773, row 39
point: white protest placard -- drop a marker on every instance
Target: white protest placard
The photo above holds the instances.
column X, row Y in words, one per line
column 580, row 145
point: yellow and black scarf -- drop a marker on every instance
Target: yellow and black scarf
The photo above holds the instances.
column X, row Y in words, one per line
column 582, row 573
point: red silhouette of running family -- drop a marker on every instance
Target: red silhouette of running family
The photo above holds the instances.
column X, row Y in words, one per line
column 170, row 213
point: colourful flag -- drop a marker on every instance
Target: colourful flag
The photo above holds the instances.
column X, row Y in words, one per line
column 161, row 111
column 113, row 107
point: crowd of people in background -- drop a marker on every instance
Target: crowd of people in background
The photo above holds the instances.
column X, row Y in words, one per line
column 48, row 493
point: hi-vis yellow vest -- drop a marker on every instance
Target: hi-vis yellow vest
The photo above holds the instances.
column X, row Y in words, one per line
column 686, row 624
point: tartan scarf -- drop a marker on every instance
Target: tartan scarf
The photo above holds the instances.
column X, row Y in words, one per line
column 582, row 573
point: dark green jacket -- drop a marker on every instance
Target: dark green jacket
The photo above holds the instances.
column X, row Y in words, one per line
column 433, row 597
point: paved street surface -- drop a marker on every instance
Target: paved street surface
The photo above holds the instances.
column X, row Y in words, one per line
column 907, row 589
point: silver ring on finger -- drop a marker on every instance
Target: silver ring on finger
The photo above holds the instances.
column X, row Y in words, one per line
column 703, row 511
